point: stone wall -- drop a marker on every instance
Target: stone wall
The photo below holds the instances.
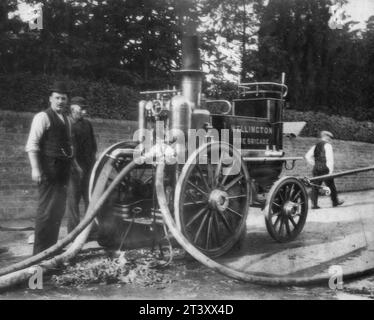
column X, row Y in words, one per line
column 18, row 193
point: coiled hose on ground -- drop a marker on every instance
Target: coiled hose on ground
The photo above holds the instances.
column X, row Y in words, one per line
column 22, row 271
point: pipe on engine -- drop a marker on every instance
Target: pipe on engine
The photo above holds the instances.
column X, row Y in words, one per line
column 191, row 88
column 191, row 74
column 200, row 119
column 180, row 114
column 141, row 121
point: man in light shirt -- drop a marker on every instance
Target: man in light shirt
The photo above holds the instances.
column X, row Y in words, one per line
column 50, row 152
column 321, row 157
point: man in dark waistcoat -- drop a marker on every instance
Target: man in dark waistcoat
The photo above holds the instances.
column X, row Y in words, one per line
column 85, row 153
column 49, row 148
column 322, row 158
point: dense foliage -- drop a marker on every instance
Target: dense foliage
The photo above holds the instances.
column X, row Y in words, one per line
column 116, row 45
column 127, row 42
column 28, row 92
column 328, row 69
column 343, row 128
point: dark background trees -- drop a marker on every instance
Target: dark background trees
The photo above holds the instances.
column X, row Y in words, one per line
column 136, row 44
column 125, row 41
column 328, row 69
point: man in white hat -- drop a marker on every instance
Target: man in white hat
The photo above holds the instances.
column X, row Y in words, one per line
column 321, row 157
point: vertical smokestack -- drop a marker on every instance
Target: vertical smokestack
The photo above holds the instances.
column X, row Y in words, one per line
column 190, row 53
column 191, row 74
column 191, row 70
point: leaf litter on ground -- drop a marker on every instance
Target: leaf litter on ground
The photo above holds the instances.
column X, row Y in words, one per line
column 138, row 266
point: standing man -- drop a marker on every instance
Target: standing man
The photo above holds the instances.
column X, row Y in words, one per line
column 85, row 153
column 50, row 153
column 321, row 157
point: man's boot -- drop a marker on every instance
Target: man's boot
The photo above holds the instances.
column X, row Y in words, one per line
column 314, row 197
column 338, row 203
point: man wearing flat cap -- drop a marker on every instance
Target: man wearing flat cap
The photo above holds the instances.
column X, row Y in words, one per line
column 321, row 157
column 49, row 147
column 85, row 148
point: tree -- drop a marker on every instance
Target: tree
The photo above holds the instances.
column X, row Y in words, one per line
column 228, row 29
column 293, row 38
column 9, row 39
column 366, row 56
column 324, row 65
column 125, row 41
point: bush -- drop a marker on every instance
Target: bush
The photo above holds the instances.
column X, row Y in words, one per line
column 343, row 128
column 28, row 92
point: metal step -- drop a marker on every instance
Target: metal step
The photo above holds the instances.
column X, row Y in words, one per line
column 143, row 220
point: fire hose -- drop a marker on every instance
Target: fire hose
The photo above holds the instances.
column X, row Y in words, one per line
column 22, row 271
column 236, row 274
column 2, row 228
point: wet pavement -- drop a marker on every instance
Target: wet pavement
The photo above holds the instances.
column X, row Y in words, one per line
column 332, row 237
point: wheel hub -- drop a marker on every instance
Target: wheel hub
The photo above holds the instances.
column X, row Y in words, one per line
column 218, row 199
column 290, row 208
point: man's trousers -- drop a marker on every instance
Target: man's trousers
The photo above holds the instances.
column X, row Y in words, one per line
column 328, row 182
column 51, row 209
column 78, row 189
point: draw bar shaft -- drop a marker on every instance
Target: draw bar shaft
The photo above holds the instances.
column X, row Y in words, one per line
column 340, row 174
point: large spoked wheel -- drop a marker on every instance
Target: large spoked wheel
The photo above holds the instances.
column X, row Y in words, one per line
column 103, row 158
column 136, row 189
column 212, row 198
column 286, row 209
column 132, row 198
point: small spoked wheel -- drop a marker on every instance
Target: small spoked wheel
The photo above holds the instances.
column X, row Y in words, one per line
column 286, row 209
column 212, row 198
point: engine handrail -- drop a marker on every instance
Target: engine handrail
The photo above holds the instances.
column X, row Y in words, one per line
column 158, row 92
column 283, row 89
column 228, row 103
